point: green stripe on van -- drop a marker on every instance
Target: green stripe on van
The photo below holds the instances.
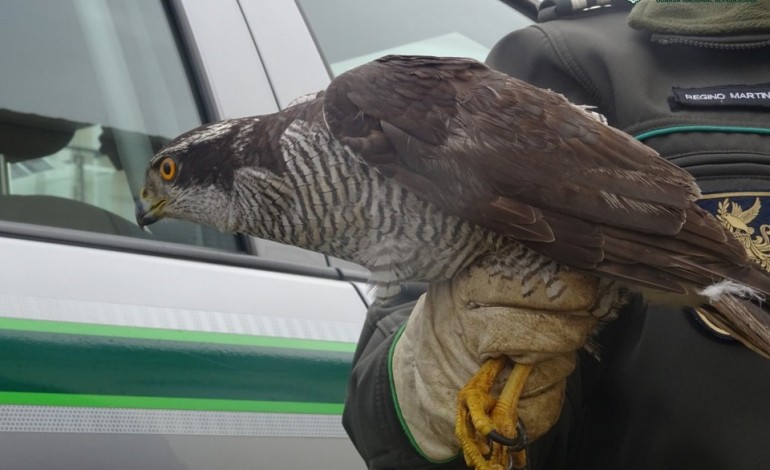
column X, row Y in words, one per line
column 90, row 329
column 165, row 369
column 196, row 404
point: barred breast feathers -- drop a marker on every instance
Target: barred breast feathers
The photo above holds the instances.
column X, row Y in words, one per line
column 344, row 208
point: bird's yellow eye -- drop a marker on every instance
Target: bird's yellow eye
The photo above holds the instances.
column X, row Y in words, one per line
column 167, row 169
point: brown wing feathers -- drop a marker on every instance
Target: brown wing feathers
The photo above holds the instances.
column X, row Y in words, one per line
column 526, row 163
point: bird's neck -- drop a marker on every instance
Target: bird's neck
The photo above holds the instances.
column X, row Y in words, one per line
column 312, row 200
column 332, row 203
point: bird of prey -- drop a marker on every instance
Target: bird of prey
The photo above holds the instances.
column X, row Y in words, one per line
column 416, row 167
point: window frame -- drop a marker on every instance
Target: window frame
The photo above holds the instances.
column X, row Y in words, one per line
column 218, row 96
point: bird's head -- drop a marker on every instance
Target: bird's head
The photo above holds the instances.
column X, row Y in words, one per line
column 192, row 177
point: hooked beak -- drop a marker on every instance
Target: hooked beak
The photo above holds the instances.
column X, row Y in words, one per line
column 148, row 212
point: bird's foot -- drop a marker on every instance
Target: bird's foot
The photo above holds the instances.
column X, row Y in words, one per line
column 483, row 423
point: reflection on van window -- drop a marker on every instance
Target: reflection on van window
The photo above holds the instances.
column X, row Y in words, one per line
column 352, row 32
column 90, row 89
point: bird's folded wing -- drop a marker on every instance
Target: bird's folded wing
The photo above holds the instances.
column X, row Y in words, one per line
column 524, row 162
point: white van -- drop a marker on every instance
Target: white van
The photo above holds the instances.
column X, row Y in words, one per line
column 179, row 347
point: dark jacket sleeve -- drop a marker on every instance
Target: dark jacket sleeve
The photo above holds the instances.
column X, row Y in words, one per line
column 370, row 416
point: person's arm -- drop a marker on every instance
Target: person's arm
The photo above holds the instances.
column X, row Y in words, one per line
column 370, row 416
column 402, row 396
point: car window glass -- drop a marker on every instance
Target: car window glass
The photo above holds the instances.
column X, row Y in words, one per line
column 89, row 90
column 352, row 32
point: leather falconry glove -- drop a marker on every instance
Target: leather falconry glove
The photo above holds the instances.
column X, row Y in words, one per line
column 459, row 324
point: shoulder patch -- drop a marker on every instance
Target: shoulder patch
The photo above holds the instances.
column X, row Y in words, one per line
column 747, row 216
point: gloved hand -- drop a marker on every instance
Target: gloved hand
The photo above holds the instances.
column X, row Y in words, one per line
column 460, row 323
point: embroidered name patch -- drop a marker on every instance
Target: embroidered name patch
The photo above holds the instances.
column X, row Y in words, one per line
column 744, row 96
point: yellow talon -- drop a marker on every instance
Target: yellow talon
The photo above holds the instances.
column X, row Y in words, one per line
column 505, row 414
column 478, row 414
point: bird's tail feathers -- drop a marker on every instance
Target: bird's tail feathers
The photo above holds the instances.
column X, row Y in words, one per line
column 741, row 311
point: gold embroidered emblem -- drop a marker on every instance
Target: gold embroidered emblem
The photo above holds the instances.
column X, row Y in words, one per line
column 736, row 219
